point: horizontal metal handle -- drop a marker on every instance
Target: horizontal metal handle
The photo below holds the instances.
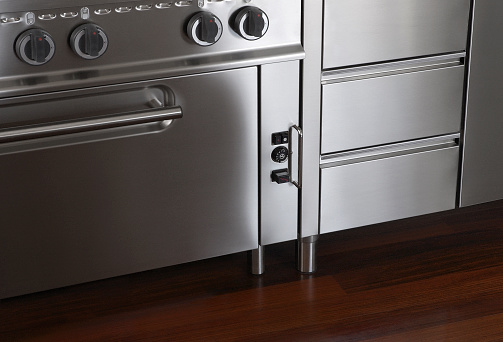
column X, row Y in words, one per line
column 393, row 68
column 391, row 150
column 92, row 124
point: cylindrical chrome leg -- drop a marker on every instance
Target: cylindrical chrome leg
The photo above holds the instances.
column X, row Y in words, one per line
column 306, row 254
column 257, row 260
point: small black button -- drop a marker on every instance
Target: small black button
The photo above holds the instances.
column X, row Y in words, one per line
column 276, row 139
column 284, row 137
column 279, row 138
column 280, row 176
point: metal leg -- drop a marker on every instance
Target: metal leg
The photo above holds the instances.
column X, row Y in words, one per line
column 306, row 254
column 257, row 260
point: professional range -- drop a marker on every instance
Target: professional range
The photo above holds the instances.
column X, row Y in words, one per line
column 138, row 134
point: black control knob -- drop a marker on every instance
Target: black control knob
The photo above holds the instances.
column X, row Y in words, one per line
column 89, row 41
column 35, row 47
column 251, row 23
column 279, row 154
column 204, row 28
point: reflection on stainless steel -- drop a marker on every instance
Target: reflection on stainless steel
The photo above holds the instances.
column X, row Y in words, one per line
column 102, row 173
column 389, row 111
column 385, row 188
column 10, row 20
column 483, row 151
column 306, row 254
column 82, row 125
column 367, row 31
column 379, row 110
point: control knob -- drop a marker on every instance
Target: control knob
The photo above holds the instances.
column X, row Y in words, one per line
column 251, row 23
column 35, row 47
column 279, row 154
column 204, row 28
column 89, row 41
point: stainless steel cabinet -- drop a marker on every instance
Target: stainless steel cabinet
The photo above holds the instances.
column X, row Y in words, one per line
column 366, row 31
column 482, row 169
column 392, row 88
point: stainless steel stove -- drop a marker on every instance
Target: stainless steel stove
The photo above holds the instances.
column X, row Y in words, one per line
column 136, row 135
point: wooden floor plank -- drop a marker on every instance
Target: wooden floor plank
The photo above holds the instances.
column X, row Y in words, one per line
column 480, row 329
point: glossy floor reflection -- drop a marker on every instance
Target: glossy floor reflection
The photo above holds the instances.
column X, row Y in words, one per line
column 432, row 278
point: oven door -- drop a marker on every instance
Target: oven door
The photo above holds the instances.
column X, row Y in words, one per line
column 131, row 177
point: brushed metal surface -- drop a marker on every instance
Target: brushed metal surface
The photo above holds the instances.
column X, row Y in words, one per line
column 367, row 31
column 257, row 260
column 306, row 254
column 387, row 189
column 482, row 153
column 381, row 110
column 142, row 44
column 81, row 212
column 312, row 14
column 279, row 89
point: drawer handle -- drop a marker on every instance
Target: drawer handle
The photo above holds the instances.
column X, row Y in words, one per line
column 298, row 182
column 110, row 121
column 391, row 150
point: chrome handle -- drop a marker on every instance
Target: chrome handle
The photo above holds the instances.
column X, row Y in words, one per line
column 92, row 124
column 298, row 182
column 393, row 68
column 388, row 151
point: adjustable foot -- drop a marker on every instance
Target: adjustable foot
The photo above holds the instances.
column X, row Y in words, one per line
column 257, row 260
column 306, row 254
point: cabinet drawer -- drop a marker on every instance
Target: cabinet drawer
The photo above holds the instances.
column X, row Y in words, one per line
column 367, row 31
column 383, row 106
column 378, row 185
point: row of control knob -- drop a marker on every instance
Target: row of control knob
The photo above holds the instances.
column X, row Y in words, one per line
column 36, row 46
column 89, row 41
column 205, row 29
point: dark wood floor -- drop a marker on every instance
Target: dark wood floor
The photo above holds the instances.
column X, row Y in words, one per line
column 432, row 278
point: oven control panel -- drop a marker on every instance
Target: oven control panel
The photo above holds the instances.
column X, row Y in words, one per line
column 89, row 41
column 161, row 38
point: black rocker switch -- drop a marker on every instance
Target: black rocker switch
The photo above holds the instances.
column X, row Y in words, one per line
column 279, row 138
column 280, row 176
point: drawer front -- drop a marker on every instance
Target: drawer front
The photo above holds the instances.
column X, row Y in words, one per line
column 367, row 31
column 387, row 109
column 387, row 189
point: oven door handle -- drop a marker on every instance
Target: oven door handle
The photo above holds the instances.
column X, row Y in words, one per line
column 161, row 115
column 298, row 182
